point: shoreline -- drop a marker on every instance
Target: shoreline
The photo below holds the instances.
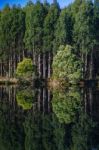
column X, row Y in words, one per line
column 5, row 80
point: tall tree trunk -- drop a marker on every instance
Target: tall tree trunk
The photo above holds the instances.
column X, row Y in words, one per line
column 91, row 65
column 9, row 68
column 14, row 63
column 1, row 68
column 44, row 96
column 83, row 72
column 44, row 65
column 49, row 64
column 49, row 98
column 39, row 98
column 86, row 65
column 39, row 65
column 90, row 100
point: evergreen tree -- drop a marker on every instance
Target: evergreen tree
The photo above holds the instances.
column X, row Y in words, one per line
column 64, row 29
column 84, row 35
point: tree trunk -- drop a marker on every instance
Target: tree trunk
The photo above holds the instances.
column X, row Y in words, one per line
column 90, row 100
column 1, row 69
column 39, row 65
column 49, row 65
column 91, row 65
column 85, row 65
column 44, row 96
column 83, row 72
column 44, row 65
column 9, row 68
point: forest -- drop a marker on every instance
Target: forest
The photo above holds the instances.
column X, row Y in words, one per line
column 61, row 42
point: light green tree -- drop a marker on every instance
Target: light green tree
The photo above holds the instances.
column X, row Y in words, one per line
column 25, row 69
column 66, row 65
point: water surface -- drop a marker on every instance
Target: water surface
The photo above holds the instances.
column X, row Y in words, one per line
column 44, row 119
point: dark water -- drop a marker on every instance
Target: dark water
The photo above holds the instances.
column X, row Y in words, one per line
column 42, row 119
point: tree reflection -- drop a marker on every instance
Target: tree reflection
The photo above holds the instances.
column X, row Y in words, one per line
column 43, row 132
column 82, row 133
column 66, row 104
column 25, row 98
column 11, row 131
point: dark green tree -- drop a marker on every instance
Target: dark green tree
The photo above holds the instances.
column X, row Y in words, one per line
column 84, row 36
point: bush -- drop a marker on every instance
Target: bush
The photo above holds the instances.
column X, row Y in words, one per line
column 26, row 69
column 66, row 65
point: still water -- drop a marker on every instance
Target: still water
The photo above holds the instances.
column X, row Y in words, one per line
column 45, row 119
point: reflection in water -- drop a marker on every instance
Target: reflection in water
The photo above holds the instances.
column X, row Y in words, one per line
column 66, row 104
column 27, row 121
column 25, row 98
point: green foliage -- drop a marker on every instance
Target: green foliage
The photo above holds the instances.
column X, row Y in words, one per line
column 65, row 25
column 35, row 15
column 25, row 69
column 12, row 28
column 25, row 98
column 84, row 29
column 50, row 26
column 66, row 105
column 66, row 65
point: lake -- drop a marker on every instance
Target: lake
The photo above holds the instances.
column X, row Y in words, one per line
column 45, row 119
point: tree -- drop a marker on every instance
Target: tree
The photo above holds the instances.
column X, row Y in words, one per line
column 12, row 28
column 49, row 36
column 84, row 36
column 64, row 29
column 25, row 69
column 66, row 66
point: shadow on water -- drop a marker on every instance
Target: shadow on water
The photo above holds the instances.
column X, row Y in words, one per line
column 44, row 119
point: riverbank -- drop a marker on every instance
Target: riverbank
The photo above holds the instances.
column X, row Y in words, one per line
column 8, row 80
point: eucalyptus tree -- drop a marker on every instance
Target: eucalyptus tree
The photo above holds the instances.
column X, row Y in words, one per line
column 96, row 27
column 28, row 32
column 84, row 36
column 12, row 28
column 64, row 29
column 5, row 38
column 17, row 31
column 34, row 32
column 49, row 33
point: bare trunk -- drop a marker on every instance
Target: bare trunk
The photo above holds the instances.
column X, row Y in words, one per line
column 44, row 66
column 0, row 69
column 49, row 97
column 91, row 65
column 39, row 97
column 14, row 63
column 82, row 55
column 34, row 57
column 85, row 99
column 49, row 65
column 44, row 92
column 9, row 68
column 39, row 65
column 86, row 65
column 90, row 100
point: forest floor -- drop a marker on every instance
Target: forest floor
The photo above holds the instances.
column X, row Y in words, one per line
column 5, row 80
